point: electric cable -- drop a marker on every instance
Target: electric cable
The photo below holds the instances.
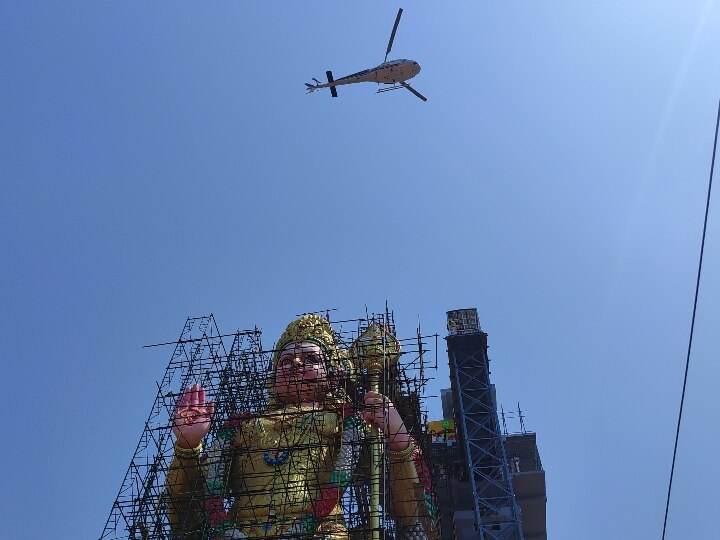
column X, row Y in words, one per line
column 692, row 324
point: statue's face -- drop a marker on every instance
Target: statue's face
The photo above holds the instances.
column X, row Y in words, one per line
column 301, row 374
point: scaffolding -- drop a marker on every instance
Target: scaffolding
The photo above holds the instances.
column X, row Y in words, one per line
column 167, row 496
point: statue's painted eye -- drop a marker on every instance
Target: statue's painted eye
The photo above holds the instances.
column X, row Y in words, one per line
column 284, row 362
column 310, row 358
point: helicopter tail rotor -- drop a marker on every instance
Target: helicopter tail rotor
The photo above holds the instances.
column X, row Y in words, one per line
column 330, row 79
column 319, row 85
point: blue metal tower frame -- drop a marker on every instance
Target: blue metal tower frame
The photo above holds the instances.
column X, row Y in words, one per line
column 497, row 515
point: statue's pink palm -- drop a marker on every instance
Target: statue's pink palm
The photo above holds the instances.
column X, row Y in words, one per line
column 192, row 418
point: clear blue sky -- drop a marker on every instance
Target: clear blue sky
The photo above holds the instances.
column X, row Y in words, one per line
column 161, row 159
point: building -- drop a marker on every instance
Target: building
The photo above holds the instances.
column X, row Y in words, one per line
column 528, row 480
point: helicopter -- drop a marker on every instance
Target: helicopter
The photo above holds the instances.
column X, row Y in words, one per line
column 394, row 72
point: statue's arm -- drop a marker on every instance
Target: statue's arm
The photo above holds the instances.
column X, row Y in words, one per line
column 185, row 484
column 194, row 492
column 413, row 496
column 409, row 476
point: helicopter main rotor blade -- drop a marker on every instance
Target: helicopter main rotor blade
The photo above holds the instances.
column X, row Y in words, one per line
column 418, row 94
column 392, row 34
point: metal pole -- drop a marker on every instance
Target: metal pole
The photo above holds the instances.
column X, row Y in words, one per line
column 376, row 452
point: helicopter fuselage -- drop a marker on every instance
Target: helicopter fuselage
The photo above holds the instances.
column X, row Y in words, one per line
column 390, row 72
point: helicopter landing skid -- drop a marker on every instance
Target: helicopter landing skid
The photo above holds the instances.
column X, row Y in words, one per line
column 394, row 87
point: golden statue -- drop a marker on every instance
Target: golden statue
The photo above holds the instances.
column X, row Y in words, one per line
column 286, row 470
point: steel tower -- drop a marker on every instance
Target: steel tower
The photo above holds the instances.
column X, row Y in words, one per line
column 496, row 514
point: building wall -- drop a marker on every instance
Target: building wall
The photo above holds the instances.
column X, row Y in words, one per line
column 528, row 480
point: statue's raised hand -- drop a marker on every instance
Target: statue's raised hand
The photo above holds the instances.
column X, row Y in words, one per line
column 192, row 418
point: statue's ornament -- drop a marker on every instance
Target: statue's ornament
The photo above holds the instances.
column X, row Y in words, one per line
column 376, row 349
column 275, row 457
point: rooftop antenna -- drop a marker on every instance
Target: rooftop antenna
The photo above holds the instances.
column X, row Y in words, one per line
column 502, row 415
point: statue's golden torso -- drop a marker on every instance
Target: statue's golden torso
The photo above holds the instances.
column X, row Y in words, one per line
column 282, row 460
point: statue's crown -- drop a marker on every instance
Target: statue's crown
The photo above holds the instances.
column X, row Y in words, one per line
column 310, row 327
